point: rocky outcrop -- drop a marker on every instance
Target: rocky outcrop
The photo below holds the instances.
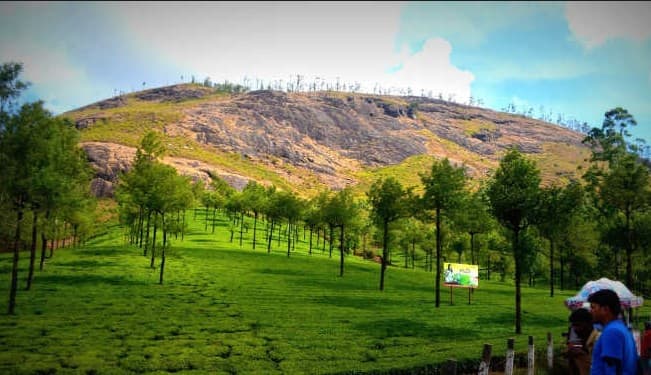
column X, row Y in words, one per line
column 326, row 135
column 109, row 160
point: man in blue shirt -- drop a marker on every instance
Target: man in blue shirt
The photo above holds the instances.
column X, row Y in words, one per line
column 615, row 352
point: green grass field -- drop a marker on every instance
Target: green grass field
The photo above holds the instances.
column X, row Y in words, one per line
column 225, row 309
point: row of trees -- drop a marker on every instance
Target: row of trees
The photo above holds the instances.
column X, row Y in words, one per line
column 44, row 178
column 574, row 227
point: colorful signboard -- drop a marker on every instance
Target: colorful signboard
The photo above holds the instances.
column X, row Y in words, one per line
column 460, row 275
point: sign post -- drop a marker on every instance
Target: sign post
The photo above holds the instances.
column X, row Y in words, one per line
column 458, row 275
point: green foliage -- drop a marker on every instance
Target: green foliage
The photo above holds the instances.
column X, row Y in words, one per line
column 10, row 86
column 231, row 310
column 444, row 192
column 514, row 191
column 514, row 195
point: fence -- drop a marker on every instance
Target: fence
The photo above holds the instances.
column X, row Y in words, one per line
column 450, row 368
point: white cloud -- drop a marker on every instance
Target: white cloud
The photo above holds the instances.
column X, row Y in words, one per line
column 593, row 23
column 430, row 69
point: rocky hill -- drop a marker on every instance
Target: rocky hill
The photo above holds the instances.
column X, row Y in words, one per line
column 308, row 141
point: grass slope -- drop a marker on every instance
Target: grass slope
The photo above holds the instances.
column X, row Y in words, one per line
column 225, row 309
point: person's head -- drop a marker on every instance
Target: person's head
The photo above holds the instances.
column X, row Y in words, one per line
column 581, row 321
column 604, row 305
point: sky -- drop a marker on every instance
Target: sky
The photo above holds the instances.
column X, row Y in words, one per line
column 578, row 59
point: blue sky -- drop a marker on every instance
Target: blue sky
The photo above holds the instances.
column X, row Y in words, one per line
column 576, row 59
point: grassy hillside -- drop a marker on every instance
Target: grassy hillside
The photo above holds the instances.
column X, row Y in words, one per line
column 306, row 142
column 230, row 309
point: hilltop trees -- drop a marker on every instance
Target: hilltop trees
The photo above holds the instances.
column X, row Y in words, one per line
column 514, row 195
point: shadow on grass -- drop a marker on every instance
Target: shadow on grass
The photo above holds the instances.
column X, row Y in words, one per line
column 364, row 303
column 385, row 328
column 87, row 264
column 284, row 272
column 83, row 279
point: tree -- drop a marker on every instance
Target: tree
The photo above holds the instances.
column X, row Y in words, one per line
column 514, row 195
column 254, row 199
column 617, row 182
column 20, row 159
column 10, row 87
column 444, row 190
column 474, row 218
column 339, row 212
column 154, row 188
column 626, row 189
column 387, row 201
column 557, row 208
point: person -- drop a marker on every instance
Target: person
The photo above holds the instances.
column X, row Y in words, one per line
column 614, row 352
column 580, row 343
column 449, row 275
column 646, row 349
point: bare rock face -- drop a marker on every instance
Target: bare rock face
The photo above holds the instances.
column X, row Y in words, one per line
column 328, row 135
column 109, row 160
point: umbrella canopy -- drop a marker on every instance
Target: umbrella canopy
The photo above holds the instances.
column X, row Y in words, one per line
column 626, row 298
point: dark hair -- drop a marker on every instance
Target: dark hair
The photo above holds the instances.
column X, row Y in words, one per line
column 606, row 297
column 581, row 316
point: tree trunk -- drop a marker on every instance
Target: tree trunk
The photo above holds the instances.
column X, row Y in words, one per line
column 472, row 247
column 488, row 268
column 561, row 271
column 162, row 253
column 255, row 224
column 271, row 233
column 14, row 268
column 518, row 274
column 44, row 241
column 183, row 226
column 551, row 267
column 289, row 238
column 32, row 252
column 341, row 249
column 206, row 219
column 629, row 251
column 241, row 226
column 311, row 233
column 385, row 252
column 438, row 257
column 330, row 239
column 413, row 254
column 144, row 253
column 153, row 242
column 140, row 230
column 214, row 218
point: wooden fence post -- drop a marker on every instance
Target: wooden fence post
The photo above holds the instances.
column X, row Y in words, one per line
column 485, row 364
column 508, row 367
column 530, row 357
column 450, row 367
column 550, row 351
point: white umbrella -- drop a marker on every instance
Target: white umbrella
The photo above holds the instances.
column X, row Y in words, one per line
column 626, row 298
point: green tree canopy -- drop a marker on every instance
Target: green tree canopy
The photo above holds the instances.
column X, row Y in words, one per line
column 514, row 197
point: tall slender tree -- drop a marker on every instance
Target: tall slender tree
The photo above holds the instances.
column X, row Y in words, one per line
column 514, row 197
column 557, row 209
column 444, row 191
column 387, row 199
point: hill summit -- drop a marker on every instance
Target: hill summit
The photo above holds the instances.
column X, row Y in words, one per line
column 307, row 141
